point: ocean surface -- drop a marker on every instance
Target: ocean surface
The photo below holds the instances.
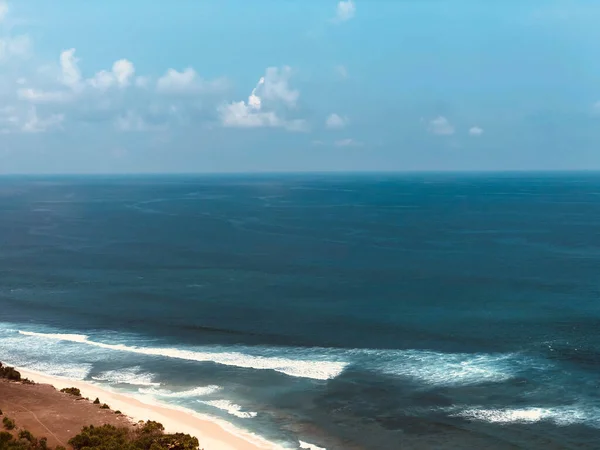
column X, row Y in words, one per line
column 433, row 311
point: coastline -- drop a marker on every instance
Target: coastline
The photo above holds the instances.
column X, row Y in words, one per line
column 211, row 433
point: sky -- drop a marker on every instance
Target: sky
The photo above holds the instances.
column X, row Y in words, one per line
column 191, row 86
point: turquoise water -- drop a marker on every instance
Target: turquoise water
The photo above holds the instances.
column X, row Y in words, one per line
column 352, row 312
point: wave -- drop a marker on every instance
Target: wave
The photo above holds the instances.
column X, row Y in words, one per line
column 308, row 446
column 426, row 367
column 196, row 392
column 231, row 408
column 315, row 369
column 446, row 369
column 131, row 375
column 560, row 415
column 78, row 372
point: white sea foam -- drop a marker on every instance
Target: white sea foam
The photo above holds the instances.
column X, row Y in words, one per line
column 451, row 368
column 231, row 408
column 77, row 372
column 131, row 375
column 308, row 446
column 316, row 369
column 560, row 415
column 200, row 391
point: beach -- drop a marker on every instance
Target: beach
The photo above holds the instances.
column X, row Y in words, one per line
column 211, row 434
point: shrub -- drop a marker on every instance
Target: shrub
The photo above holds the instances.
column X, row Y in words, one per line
column 118, row 412
column 97, row 401
column 5, row 437
column 26, row 434
column 0, row 412
column 72, row 390
column 149, row 436
column 9, row 373
column 9, row 424
column 152, row 427
column 105, row 406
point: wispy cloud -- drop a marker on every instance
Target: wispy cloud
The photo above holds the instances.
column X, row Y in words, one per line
column 345, row 10
column 475, row 131
column 36, row 124
column 334, row 121
column 441, row 126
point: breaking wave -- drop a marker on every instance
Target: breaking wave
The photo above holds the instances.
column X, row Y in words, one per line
column 196, row 392
column 230, row 408
column 131, row 375
column 315, row 369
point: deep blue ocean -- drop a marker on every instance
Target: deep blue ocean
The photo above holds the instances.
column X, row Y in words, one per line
column 430, row 311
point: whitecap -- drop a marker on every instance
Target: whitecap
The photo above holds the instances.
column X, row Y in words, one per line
column 309, row 446
column 560, row 415
column 451, row 368
column 130, row 375
column 230, row 408
column 318, row 369
column 200, row 391
column 76, row 372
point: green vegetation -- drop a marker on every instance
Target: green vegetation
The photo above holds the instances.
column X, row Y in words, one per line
column 27, row 442
column 72, row 390
column 97, row 401
column 9, row 373
column 150, row 436
column 26, row 434
column 9, row 424
column 105, row 406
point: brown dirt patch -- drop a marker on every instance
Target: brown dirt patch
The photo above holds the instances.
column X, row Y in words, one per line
column 49, row 413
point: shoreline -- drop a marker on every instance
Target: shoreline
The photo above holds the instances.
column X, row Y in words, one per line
column 213, row 434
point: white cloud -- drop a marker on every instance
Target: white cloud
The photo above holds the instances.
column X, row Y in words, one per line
column 121, row 74
column 345, row 10
column 19, row 46
column 476, row 131
column 179, row 82
column 274, row 86
column 247, row 115
column 3, row 10
column 270, row 95
column 441, row 126
column 38, row 96
column 35, row 124
column 70, row 73
column 123, row 71
column 335, row 121
column 187, row 82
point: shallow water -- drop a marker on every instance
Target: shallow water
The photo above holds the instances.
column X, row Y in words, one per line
column 430, row 311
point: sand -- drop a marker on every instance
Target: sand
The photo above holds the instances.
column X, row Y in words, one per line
column 37, row 400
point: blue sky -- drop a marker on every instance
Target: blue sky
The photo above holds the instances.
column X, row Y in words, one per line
column 312, row 85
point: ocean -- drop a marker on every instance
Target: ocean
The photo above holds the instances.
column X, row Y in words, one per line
column 423, row 311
